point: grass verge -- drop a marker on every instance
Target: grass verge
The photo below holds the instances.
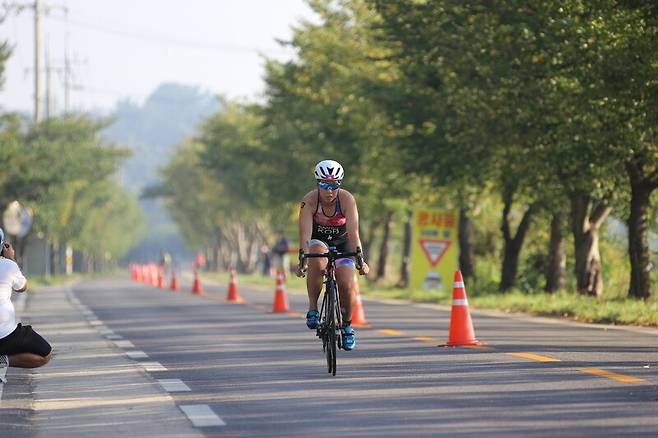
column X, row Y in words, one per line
column 564, row 305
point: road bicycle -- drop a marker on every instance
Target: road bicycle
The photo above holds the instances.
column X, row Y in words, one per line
column 331, row 317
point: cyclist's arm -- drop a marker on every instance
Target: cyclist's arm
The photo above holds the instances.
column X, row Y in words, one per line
column 352, row 222
column 305, row 222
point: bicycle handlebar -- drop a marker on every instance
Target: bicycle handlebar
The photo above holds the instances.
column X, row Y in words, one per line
column 333, row 254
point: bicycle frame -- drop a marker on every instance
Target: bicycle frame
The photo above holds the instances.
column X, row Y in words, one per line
column 331, row 318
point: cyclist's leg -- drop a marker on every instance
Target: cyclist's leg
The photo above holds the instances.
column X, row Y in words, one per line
column 314, row 274
column 314, row 282
column 345, row 279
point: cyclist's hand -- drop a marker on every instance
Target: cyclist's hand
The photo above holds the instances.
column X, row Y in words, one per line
column 364, row 268
column 301, row 270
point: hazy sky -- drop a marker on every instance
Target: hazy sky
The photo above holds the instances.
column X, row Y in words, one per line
column 126, row 48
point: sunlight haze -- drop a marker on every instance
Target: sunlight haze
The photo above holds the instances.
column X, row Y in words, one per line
column 124, row 49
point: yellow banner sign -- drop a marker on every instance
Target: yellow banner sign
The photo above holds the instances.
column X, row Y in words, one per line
column 434, row 249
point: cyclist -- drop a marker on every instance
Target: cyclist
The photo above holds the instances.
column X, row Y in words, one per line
column 328, row 217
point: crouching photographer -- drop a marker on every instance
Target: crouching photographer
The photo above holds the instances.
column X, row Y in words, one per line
column 20, row 345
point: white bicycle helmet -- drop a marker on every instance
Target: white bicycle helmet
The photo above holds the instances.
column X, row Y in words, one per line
column 329, row 170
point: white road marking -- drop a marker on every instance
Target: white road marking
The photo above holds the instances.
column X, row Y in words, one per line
column 95, row 322
column 3, row 374
column 173, row 385
column 137, row 354
column 124, row 344
column 113, row 337
column 152, row 366
column 87, row 312
column 202, row 415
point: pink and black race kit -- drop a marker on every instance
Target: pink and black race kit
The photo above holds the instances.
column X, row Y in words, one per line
column 331, row 230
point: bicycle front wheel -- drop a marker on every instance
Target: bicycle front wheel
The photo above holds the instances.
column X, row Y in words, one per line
column 331, row 351
column 331, row 328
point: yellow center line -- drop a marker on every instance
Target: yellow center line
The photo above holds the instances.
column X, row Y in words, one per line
column 426, row 339
column 611, row 375
column 479, row 347
column 391, row 332
column 535, row 357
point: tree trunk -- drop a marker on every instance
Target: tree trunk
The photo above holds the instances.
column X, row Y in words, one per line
column 240, row 248
column 466, row 246
column 638, row 231
column 585, row 225
column 406, row 252
column 557, row 258
column 61, row 268
column 214, row 259
column 54, row 257
column 251, row 257
column 369, row 237
column 383, row 248
column 513, row 245
column 226, row 253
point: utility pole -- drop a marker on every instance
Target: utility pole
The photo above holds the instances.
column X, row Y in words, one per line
column 37, row 8
column 37, row 17
column 49, row 98
column 67, row 82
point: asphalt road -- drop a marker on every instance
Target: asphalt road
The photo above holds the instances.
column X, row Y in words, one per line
column 263, row 374
column 133, row 360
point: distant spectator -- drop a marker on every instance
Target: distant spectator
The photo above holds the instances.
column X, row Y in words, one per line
column 199, row 261
column 280, row 256
column 266, row 263
column 20, row 346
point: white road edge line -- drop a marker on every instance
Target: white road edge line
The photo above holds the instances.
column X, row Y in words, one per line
column 124, row 344
column 136, row 354
column 201, row 415
column 173, row 385
column 152, row 366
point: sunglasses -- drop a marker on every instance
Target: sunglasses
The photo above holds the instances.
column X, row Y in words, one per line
column 328, row 186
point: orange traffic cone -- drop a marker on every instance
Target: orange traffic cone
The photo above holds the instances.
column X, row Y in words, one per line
column 160, row 279
column 196, row 286
column 358, row 315
column 233, row 288
column 154, row 275
column 280, row 304
column 461, row 326
column 174, row 282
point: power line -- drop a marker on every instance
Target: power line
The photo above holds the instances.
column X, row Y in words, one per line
column 166, row 40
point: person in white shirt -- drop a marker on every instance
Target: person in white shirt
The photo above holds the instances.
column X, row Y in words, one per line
column 20, row 345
